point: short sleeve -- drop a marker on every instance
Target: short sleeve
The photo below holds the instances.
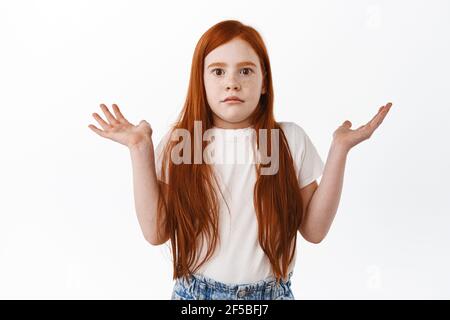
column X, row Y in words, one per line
column 307, row 161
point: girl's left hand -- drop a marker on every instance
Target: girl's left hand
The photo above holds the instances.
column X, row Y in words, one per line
column 347, row 138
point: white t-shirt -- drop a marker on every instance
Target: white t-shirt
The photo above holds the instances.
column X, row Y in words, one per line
column 238, row 257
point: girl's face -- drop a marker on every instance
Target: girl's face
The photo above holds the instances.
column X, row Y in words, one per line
column 233, row 69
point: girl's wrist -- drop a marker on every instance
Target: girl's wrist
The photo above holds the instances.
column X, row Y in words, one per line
column 140, row 146
column 339, row 147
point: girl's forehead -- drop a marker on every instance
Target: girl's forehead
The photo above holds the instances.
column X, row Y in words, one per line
column 232, row 53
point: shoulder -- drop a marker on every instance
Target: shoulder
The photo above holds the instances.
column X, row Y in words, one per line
column 297, row 138
column 294, row 133
column 291, row 127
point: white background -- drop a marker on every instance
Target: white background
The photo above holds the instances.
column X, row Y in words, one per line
column 68, row 228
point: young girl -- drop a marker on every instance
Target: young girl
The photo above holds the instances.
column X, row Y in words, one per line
column 233, row 225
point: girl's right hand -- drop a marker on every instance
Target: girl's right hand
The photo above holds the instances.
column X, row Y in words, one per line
column 120, row 129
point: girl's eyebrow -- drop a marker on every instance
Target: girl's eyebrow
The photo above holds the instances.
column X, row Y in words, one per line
column 223, row 64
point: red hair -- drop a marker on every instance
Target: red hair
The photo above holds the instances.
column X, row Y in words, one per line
column 190, row 200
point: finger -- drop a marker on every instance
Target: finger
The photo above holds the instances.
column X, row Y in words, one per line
column 379, row 117
column 105, row 125
column 386, row 108
column 97, row 130
column 382, row 114
column 108, row 115
column 370, row 126
column 380, row 111
column 347, row 124
column 117, row 112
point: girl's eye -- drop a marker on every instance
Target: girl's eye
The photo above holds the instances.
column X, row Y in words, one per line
column 214, row 71
column 250, row 70
column 218, row 69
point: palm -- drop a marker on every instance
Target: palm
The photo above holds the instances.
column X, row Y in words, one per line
column 119, row 129
column 349, row 138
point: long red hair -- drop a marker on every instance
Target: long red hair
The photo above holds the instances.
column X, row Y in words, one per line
column 190, row 199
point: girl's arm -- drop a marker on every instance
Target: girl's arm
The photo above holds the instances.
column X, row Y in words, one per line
column 146, row 191
column 324, row 202
column 138, row 139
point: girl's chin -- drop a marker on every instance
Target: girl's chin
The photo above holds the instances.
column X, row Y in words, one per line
column 234, row 119
column 232, row 123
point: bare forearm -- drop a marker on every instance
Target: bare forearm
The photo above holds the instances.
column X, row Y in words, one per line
column 145, row 186
column 325, row 200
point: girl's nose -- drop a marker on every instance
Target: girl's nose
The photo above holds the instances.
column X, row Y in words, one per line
column 235, row 87
column 233, row 84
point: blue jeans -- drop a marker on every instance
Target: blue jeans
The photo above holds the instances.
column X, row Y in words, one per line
column 204, row 288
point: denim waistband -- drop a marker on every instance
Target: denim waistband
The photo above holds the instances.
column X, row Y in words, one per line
column 200, row 282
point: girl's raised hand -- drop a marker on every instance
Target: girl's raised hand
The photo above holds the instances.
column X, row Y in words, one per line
column 347, row 138
column 119, row 129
